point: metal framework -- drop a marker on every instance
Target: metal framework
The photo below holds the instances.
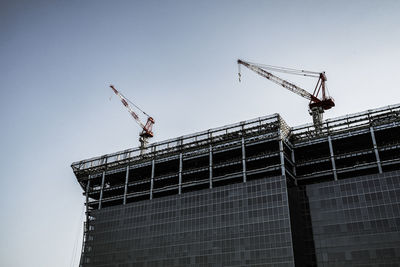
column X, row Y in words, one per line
column 348, row 146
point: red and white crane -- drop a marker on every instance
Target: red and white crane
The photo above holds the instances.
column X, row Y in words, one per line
column 317, row 105
column 146, row 128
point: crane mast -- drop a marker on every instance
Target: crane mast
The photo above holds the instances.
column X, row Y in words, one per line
column 317, row 105
column 146, row 128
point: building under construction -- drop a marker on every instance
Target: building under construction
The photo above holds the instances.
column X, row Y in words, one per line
column 255, row 193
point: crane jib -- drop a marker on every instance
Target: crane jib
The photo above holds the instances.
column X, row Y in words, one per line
column 257, row 68
column 316, row 105
column 147, row 129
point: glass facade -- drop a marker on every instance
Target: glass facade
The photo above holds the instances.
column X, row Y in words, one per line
column 350, row 222
column 243, row 224
column 356, row 221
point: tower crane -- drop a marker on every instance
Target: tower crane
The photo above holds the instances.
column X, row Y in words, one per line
column 317, row 105
column 146, row 128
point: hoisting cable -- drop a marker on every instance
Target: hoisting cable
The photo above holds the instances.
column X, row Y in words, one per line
column 135, row 105
column 240, row 75
column 287, row 70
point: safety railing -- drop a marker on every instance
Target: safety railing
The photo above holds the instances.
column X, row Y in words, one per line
column 266, row 123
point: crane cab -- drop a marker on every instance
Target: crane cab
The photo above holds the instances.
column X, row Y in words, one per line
column 325, row 104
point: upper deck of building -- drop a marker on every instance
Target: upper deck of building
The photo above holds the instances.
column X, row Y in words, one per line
column 266, row 126
column 303, row 135
column 348, row 146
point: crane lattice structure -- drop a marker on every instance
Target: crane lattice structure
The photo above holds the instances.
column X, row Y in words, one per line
column 146, row 128
column 317, row 105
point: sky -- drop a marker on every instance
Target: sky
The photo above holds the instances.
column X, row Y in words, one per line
column 177, row 61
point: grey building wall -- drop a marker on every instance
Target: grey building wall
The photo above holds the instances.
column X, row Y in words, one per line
column 356, row 221
column 243, row 224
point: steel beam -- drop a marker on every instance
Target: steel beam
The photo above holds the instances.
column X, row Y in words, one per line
column 294, row 162
column 152, row 179
column 294, row 165
column 86, row 224
column 282, row 156
column 210, row 166
column 244, row 160
column 180, row 173
column 126, row 183
column 87, row 200
column 378, row 159
column 332, row 158
column 87, row 191
column 102, row 189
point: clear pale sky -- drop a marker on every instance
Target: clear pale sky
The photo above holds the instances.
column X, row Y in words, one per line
column 175, row 59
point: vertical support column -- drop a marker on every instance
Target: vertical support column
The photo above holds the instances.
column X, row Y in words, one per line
column 294, row 166
column 282, row 156
column 87, row 201
column 244, row 160
column 102, row 188
column 86, row 224
column 152, row 179
column 378, row 159
column 180, row 173
column 210, row 166
column 126, row 183
column 294, row 162
column 332, row 158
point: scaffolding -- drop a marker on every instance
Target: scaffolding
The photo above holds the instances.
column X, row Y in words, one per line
column 200, row 160
column 352, row 145
column 356, row 144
